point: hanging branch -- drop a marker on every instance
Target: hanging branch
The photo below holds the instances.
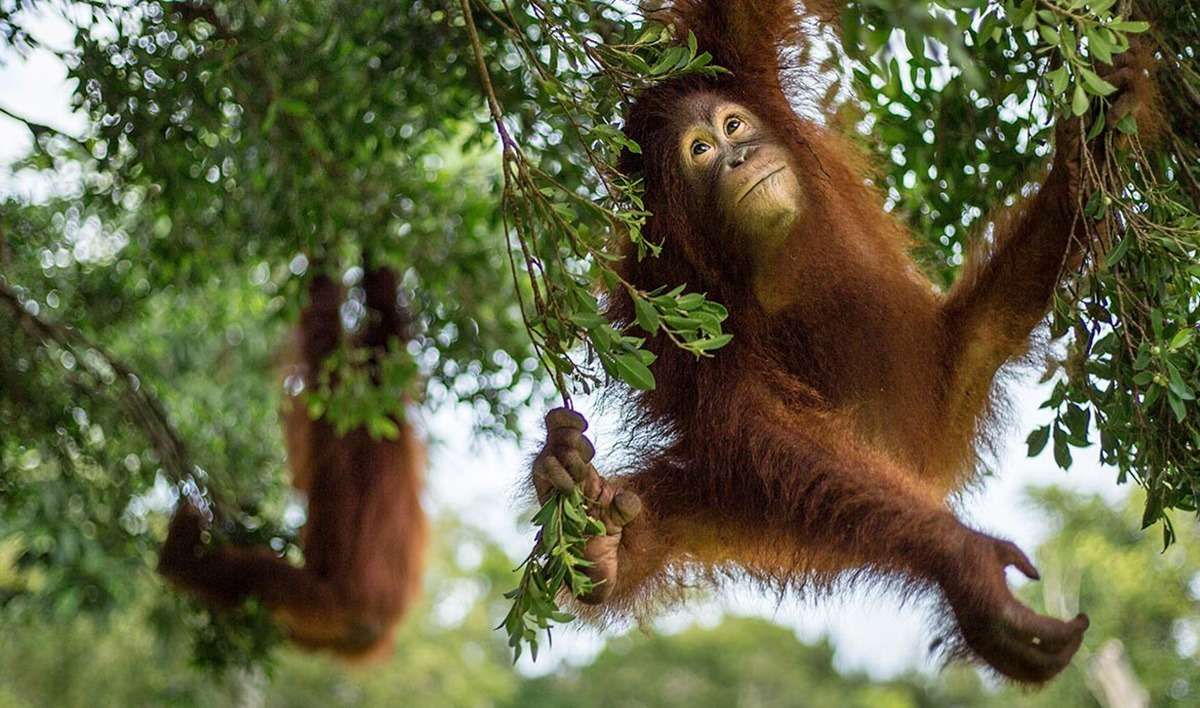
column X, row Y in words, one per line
column 1133, row 361
column 561, row 245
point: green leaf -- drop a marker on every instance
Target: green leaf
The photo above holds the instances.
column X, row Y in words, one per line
column 1177, row 407
column 630, row 369
column 1116, row 254
column 705, row 345
column 1037, row 440
column 1181, row 339
column 1079, row 104
column 1099, row 46
column 1096, row 84
column 1178, row 387
column 1062, row 453
column 1131, row 26
column 1059, row 80
column 691, row 301
column 647, row 315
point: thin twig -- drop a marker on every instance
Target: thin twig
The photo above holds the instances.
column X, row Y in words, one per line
column 485, row 78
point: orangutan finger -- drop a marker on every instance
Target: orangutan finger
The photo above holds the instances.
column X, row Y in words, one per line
column 625, row 507
column 1048, row 633
column 565, row 440
column 1045, row 653
column 549, row 469
column 575, row 464
column 565, row 418
column 601, row 551
column 1010, row 554
column 1029, row 662
column 585, row 448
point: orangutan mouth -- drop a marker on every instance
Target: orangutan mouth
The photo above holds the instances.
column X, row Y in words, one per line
column 760, row 182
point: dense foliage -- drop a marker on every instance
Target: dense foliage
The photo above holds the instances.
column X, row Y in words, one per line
column 960, row 101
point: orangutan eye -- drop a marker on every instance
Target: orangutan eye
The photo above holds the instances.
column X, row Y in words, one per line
column 732, row 125
column 699, row 147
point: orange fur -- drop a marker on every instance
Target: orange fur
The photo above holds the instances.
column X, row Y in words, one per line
column 365, row 536
column 820, row 446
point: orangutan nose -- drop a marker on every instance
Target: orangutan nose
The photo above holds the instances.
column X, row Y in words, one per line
column 741, row 155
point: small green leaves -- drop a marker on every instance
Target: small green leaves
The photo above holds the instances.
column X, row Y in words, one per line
column 370, row 394
column 1081, row 34
column 629, row 368
column 554, row 566
column 1079, row 101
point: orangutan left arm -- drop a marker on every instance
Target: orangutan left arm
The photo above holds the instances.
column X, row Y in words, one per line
column 1005, row 291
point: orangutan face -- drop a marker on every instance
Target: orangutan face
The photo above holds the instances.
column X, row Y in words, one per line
column 730, row 157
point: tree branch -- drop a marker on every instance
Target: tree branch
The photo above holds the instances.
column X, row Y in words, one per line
column 146, row 409
column 486, row 78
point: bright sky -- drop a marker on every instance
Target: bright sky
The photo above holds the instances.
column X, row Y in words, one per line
column 475, row 482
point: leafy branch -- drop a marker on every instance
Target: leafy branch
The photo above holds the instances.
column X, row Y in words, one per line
column 562, row 240
column 1132, row 361
column 76, row 350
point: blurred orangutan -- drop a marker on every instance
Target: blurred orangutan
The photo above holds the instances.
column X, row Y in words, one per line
column 365, row 535
column 822, row 444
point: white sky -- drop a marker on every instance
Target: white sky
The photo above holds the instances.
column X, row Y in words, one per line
column 475, row 482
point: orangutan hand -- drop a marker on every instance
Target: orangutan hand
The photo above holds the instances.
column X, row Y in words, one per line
column 1135, row 95
column 565, row 463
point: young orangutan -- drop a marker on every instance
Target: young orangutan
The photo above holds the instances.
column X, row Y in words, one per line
column 823, row 442
column 365, row 535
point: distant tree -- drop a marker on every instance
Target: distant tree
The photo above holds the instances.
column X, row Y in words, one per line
column 141, row 654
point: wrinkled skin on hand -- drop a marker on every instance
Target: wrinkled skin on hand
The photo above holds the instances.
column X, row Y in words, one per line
column 564, row 463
